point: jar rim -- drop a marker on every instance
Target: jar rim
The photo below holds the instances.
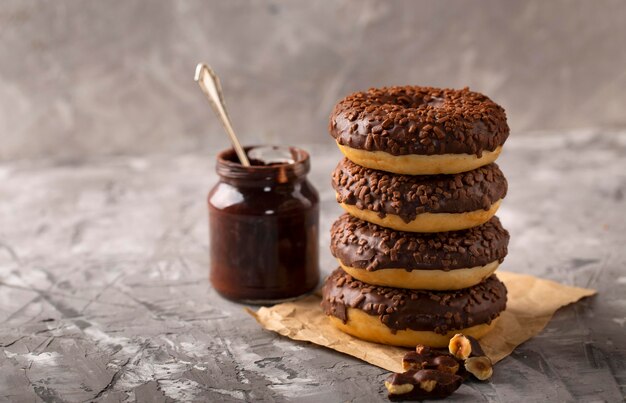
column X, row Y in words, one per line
column 228, row 166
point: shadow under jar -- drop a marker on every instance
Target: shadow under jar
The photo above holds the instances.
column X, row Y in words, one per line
column 264, row 224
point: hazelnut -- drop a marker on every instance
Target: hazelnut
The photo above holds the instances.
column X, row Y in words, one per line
column 434, row 383
column 414, row 361
column 446, row 363
column 398, row 389
column 428, row 385
column 412, row 365
column 422, row 349
column 460, row 346
column 480, row 367
column 426, row 358
column 422, row 384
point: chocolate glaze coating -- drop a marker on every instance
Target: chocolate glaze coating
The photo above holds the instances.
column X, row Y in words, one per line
column 364, row 245
column 410, row 195
column 426, row 358
column 400, row 309
column 419, row 120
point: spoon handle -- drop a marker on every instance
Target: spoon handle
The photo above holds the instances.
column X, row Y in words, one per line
column 210, row 85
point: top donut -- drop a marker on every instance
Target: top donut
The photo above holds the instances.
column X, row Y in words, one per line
column 419, row 130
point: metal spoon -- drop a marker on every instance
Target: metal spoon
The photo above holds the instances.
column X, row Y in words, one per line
column 210, row 85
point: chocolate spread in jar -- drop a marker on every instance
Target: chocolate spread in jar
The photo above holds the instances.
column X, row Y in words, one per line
column 264, row 222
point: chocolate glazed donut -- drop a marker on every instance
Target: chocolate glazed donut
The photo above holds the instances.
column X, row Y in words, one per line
column 419, row 130
column 419, row 203
column 404, row 317
column 440, row 261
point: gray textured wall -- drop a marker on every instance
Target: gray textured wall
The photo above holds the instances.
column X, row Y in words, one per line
column 102, row 77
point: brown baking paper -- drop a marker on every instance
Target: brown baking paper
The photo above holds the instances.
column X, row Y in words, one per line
column 531, row 303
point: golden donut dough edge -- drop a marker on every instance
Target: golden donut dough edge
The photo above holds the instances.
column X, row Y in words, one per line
column 439, row 280
column 415, row 164
column 426, row 222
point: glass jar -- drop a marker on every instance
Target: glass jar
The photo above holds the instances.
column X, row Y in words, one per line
column 264, row 227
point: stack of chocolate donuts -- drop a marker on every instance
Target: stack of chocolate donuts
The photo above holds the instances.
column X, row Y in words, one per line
column 420, row 241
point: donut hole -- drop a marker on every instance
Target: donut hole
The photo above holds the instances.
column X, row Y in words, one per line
column 408, row 101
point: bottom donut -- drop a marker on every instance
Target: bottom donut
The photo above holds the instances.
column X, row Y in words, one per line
column 403, row 317
column 370, row 328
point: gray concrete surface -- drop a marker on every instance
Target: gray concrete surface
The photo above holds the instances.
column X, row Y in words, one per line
column 104, row 293
column 89, row 78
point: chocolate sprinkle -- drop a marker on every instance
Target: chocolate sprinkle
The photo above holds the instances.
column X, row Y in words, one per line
column 363, row 245
column 419, row 120
column 438, row 311
column 410, row 195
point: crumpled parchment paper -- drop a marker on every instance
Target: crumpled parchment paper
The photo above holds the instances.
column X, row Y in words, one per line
column 531, row 303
